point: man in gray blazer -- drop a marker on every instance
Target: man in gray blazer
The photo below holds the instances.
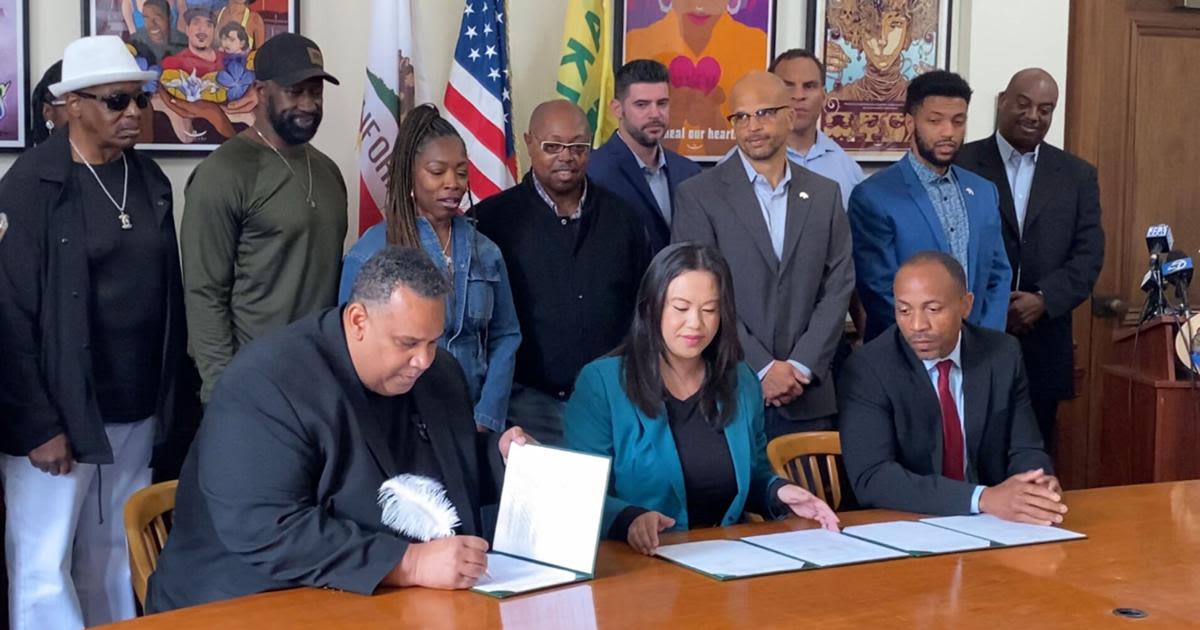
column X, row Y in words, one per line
column 935, row 412
column 787, row 240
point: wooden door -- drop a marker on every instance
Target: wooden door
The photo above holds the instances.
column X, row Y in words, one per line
column 1132, row 88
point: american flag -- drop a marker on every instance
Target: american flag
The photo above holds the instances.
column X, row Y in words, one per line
column 478, row 100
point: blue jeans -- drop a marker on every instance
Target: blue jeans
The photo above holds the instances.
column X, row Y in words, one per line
column 538, row 413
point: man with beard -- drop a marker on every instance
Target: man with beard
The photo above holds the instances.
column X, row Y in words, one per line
column 201, row 56
column 633, row 164
column 575, row 255
column 784, row 233
column 1050, row 208
column 923, row 202
column 265, row 215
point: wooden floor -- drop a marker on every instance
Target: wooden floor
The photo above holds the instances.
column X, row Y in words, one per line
column 1143, row 552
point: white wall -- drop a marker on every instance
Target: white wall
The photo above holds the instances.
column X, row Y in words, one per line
column 994, row 39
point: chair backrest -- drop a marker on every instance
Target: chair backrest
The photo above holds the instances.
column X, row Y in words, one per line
column 147, row 520
column 810, row 460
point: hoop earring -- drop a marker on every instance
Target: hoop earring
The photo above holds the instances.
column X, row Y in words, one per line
column 664, row 6
column 735, row 7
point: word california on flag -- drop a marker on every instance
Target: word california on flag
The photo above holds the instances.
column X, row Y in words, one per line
column 478, row 98
column 392, row 89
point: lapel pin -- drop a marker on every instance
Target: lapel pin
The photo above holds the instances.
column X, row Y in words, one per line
column 803, row 195
column 970, row 192
column 3, row 225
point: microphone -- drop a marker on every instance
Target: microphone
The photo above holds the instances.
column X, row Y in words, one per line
column 1148, row 282
column 1159, row 240
column 1178, row 270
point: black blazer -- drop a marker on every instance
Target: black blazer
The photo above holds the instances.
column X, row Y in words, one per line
column 891, row 423
column 279, row 489
column 1060, row 253
column 614, row 167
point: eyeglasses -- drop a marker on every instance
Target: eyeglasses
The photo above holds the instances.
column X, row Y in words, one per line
column 578, row 149
column 119, row 101
column 766, row 114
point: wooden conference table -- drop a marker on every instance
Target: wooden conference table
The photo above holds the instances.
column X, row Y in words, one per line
column 1143, row 552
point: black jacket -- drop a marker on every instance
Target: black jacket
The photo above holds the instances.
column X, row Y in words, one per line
column 891, row 423
column 46, row 381
column 574, row 286
column 279, row 488
column 1059, row 254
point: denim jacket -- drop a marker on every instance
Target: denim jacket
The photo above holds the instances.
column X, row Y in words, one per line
column 481, row 322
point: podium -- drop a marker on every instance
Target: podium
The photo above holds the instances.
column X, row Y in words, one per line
column 1150, row 420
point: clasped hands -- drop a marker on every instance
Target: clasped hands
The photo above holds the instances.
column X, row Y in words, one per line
column 1029, row 497
column 783, row 383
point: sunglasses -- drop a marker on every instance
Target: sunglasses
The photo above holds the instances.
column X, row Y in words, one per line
column 739, row 119
column 578, row 149
column 119, row 101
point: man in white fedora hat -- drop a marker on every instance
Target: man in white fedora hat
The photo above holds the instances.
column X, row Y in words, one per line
column 93, row 338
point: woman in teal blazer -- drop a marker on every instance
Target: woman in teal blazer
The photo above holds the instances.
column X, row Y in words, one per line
column 679, row 413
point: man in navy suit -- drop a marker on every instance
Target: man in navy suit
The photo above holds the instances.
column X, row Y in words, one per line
column 633, row 164
column 923, row 202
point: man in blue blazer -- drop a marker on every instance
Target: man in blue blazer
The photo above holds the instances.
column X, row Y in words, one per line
column 633, row 164
column 923, row 202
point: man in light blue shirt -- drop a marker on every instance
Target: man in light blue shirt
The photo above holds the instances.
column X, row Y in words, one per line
column 965, row 443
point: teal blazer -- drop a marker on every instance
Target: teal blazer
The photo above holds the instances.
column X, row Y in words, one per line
column 646, row 473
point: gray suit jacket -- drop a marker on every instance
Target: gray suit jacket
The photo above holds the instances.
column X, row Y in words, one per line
column 891, row 423
column 794, row 308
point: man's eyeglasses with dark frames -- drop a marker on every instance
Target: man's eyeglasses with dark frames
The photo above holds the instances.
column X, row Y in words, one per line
column 119, row 101
column 578, row 149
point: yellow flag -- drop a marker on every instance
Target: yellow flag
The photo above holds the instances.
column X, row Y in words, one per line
column 585, row 72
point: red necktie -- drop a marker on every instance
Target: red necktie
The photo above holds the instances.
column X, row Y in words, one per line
column 952, row 436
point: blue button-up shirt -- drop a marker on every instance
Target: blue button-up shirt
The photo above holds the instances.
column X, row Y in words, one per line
column 949, row 206
column 1019, row 167
column 956, row 391
column 827, row 159
column 660, row 186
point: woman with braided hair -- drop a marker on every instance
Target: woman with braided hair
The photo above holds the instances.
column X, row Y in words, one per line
column 427, row 177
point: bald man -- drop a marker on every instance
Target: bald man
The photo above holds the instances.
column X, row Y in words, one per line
column 787, row 240
column 1050, row 209
column 575, row 255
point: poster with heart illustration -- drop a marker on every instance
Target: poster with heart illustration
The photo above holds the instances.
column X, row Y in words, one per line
column 707, row 45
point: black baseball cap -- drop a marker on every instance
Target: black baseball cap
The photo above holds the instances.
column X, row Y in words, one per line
column 288, row 59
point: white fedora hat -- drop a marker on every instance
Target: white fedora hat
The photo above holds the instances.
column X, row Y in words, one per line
column 98, row 60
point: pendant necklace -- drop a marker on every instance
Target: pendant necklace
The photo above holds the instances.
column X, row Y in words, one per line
column 307, row 161
column 126, row 223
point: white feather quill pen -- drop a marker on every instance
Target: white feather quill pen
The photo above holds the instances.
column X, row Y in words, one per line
column 417, row 507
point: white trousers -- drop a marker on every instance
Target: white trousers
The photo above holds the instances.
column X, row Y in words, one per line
column 68, row 560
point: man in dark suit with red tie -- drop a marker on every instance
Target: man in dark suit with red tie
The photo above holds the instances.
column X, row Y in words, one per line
column 935, row 413
column 1050, row 218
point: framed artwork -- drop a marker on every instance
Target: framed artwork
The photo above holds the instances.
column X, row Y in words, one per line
column 872, row 49
column 707, row 45
column 203, row 51
column 14, row 74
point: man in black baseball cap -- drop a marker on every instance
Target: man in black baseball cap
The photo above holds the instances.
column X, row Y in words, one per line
column 271, row 206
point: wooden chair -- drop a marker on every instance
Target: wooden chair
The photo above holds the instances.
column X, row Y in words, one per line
column 147, row 520
column 807, row 460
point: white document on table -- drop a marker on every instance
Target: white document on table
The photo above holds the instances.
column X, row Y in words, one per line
column 1002, row 531
column 549, row 519
column 824, row 548
column 728, row 559
column 916, row 538
column 506, row 574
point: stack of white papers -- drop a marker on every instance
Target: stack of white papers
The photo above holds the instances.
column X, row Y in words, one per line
column 824, row 548
column 1002, row 531
column 728, row 559
column 916, row 538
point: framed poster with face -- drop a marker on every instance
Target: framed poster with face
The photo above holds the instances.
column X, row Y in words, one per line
column 14, row 74
column 872, row 49
column 707, row 45
column 203, row 52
